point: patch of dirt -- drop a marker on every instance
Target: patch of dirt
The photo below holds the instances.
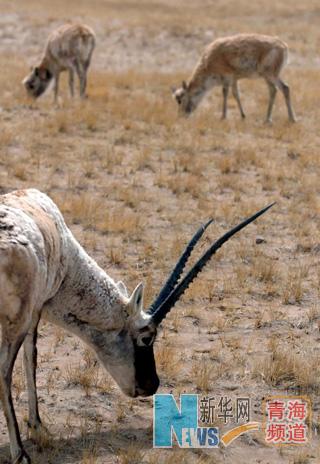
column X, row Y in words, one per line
column 134, row 181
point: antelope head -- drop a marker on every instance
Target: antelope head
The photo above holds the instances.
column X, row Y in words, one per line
column 142, row 324
column 186, row 99
column 37, row 81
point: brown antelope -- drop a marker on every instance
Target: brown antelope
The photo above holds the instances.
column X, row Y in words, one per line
column 45, row 272
column 70, row 48
column 229, row 59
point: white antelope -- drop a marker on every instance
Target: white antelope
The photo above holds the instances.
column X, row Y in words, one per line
column 45, row 272
column 229, row 59
column 70, row 48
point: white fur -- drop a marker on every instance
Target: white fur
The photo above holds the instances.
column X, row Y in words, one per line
column 45, row 272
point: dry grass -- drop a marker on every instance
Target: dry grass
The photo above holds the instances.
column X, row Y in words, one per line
column 134, row 181
column 167, row 361
column 87, row 375
column 132, row 455
column 285, row 367
column 201, row 374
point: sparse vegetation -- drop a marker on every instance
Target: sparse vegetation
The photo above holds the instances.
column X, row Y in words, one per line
column 134, row 182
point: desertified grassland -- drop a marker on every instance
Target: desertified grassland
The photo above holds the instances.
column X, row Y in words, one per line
column 134, row 181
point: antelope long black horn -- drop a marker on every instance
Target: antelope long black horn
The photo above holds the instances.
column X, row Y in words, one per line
column 178, row 269
column 160, row 313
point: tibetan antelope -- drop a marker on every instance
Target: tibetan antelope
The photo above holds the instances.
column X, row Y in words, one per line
column 229, row 59
column 69, row 48
column 45, row 272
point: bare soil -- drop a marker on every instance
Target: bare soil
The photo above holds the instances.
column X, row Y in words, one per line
column 134, row 181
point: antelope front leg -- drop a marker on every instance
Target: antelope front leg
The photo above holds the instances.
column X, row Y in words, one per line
column 272, row 96
column 235, row 93
column 82, row 74
column 30, row 361
column 9, row 350
column 56, row 88
column 83, row 85
column 286, row 93
column 71, row 82
column 225, row 92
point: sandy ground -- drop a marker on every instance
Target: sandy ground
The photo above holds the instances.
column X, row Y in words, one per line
column 134, row 181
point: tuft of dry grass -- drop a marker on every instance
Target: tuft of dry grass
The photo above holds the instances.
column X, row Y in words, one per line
column 87, row 377
column 283, row 367
column 133, row 180
column 18, row 382
column 201, row 372
column 293, row 289
column 132, row 455
column 303, row 457
column 43, row 438
column 167, row 361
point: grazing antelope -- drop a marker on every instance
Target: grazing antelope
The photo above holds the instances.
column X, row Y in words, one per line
column 229, row 59
column 70, row 48
column 45, row 272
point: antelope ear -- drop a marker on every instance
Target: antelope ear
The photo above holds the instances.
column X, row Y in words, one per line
column 173, row 90
column 122, row 288
column 184, row 85
column 136, row 300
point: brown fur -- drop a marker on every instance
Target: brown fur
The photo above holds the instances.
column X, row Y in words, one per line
column 69, row 48
column 229, row 59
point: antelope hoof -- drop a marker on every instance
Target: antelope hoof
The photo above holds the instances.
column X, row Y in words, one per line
column 39, row 435
column 23, row 458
